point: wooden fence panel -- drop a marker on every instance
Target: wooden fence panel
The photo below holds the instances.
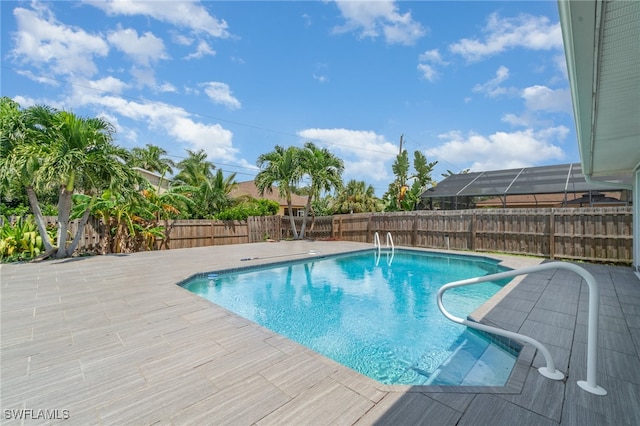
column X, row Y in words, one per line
column 591, row 234
column 594, row 234
column 321, row 227
column 230, row 232
column 261, row 228
column 191, row 233
column 92, row 238
column 516, row 231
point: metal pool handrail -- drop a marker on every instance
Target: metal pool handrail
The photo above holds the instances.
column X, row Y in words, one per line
column 549, row 371
column 389, row 241
column 377, row 245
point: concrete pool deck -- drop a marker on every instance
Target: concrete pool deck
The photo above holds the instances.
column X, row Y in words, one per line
column 112, row 340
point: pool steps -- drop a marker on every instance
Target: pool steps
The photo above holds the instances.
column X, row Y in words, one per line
column 474, row 362
column 590, row 385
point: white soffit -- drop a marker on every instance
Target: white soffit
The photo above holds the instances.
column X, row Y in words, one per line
column 602, row 46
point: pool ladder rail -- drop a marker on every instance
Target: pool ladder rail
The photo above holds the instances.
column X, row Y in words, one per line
column 549, row 370
column 390, row 247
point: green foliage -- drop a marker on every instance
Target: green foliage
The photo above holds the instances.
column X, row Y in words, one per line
column 151, row 158
column 129, row 218
column 20, row 241
column 356, row 197
column 322, row 206
column 19, row 210
column 24, row 210
column 402, row 196
column 261, row 207
column 45, row 150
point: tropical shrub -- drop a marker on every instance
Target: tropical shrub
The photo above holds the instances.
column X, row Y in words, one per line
column 261, row 207
column 20, row 241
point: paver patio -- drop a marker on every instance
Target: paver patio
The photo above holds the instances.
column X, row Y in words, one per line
column 112, row 340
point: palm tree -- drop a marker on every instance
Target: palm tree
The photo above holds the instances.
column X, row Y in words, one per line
column 357, row 197
column 212, row 195
column 281, row 167
column 325, row 171
column 151, row 158
column 209, row 191
column 194, row 169
column 72, row 154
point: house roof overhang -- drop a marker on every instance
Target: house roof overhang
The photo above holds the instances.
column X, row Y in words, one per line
column 602, row 48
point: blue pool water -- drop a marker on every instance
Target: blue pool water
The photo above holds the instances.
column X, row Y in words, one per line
column 378, row 319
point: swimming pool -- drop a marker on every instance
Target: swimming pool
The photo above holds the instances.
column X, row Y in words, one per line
column 378, row 318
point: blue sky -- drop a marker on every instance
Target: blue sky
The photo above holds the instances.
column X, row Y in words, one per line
column 480, row 85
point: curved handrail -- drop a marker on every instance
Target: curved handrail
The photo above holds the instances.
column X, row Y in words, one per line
column 376, row 244
column 549, row 371
column 389, row 242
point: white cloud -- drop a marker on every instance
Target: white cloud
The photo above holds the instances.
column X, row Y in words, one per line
column 321, row 78
column 428, row 72
column 492, row 88
column 109, row 85
column 144, row 76
column 561, row 64
column 164, row 118
column 143, row 50
column 542, row 98
column 365, row 153
column 181, row 39
column 38, row 78
column 220, row 93
column 306, row 19
column 25, row 102
column 43, row 42
column 427, row 60
column 524, row 120
column 202, row 50
column 501, row 34
column 503, row 150
column 539, row 101
column 373, row 18
column 432, row 56
column 166, row 88
column 186, row 14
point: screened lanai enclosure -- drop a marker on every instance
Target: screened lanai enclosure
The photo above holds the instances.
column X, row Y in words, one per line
column 462, row 191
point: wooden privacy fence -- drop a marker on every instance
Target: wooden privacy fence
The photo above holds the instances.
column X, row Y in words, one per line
column 602, row 234
column 204, row 232
column 597, row 234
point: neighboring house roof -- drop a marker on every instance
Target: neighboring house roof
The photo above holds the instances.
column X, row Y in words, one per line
column 249, row 188
column 154, row 178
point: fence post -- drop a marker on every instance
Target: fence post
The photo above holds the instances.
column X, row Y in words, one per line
column 552, row 237
column 472, row 246
column 414, row 235
column 213, row 233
